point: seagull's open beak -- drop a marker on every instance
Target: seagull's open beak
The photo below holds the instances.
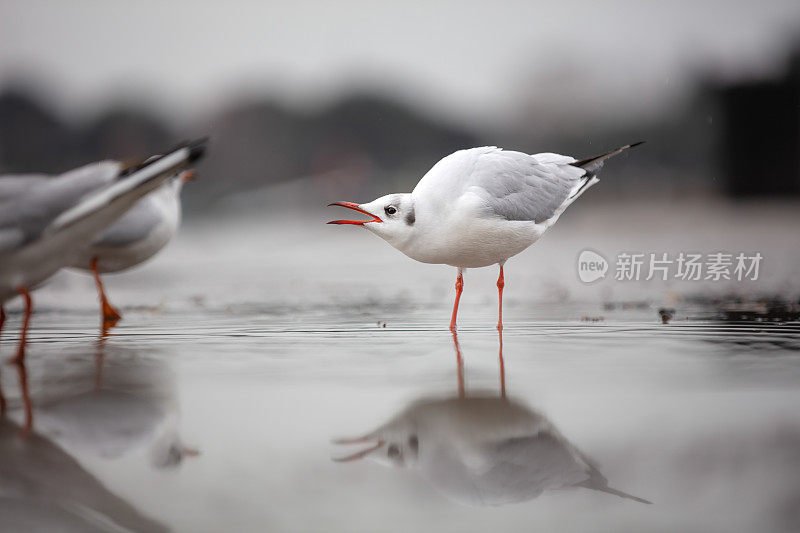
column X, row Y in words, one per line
column 354, row 207
column 361, row 453
column 190, row 452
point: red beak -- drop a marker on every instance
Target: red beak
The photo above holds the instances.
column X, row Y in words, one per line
column 359, row 455
column 354, row 207
column 187, row 176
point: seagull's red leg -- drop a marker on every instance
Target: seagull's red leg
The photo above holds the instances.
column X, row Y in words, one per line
column 110, row 315
column 23, row 338
column 459, row 366
column 459, row 288
column 26, row 398
column 500, row 284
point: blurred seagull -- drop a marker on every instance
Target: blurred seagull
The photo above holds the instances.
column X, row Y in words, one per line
column 111, row 406
column 478, row 207
column 133, row 239
column 43, row 227
column 136, row 237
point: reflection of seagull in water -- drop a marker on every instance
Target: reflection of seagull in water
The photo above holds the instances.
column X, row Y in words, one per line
column 132, row 408
column 479, row 207
column 111, row 424
column 43, row 488
column 482, row 450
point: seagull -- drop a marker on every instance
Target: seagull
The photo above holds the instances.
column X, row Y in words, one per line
column 133, row 239
column 482, row 450
column 43, row 227
column 479, row 207
column 109, row 405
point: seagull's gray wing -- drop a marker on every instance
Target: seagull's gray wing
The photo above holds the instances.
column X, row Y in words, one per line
column 530, row 465
column 506, row 470
column 85, row 197
column 534, row 463
column 12, row 185
column 25, row 215
column 11, row 237
column 518, row 186
column 133, row 226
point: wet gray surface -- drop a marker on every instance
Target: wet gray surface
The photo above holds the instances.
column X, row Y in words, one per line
column 257, row 349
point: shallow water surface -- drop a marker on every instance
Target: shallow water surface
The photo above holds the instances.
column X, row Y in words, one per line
column 207, row 422
column 247, row 349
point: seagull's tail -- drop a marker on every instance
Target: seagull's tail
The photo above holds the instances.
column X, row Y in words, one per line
column 592, row 166
column 106, row 205
column 598, row 482
column 615, row 492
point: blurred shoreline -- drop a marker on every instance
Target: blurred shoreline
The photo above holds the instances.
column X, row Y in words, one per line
column 726, row 137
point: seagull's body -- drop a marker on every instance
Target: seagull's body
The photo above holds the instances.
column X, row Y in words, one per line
column 44, row 227
column 133, row 239
column 483, row 450
column 141, row 232
column 479, row 207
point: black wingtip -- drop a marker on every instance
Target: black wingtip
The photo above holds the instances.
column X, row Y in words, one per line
column 636, row 144
column 197, row 149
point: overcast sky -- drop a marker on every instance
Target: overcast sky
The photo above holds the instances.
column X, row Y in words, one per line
column 468, row 61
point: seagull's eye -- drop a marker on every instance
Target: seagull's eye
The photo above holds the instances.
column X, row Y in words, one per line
column 393, row 450
column 390, row 210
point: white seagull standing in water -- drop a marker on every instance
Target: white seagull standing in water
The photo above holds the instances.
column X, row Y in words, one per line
column 478, row 207
column 42, row 228
column 133, row 239
column 136, row 237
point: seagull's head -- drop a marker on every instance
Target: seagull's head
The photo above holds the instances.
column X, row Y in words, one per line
column 392, row 217
column 392, row 446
